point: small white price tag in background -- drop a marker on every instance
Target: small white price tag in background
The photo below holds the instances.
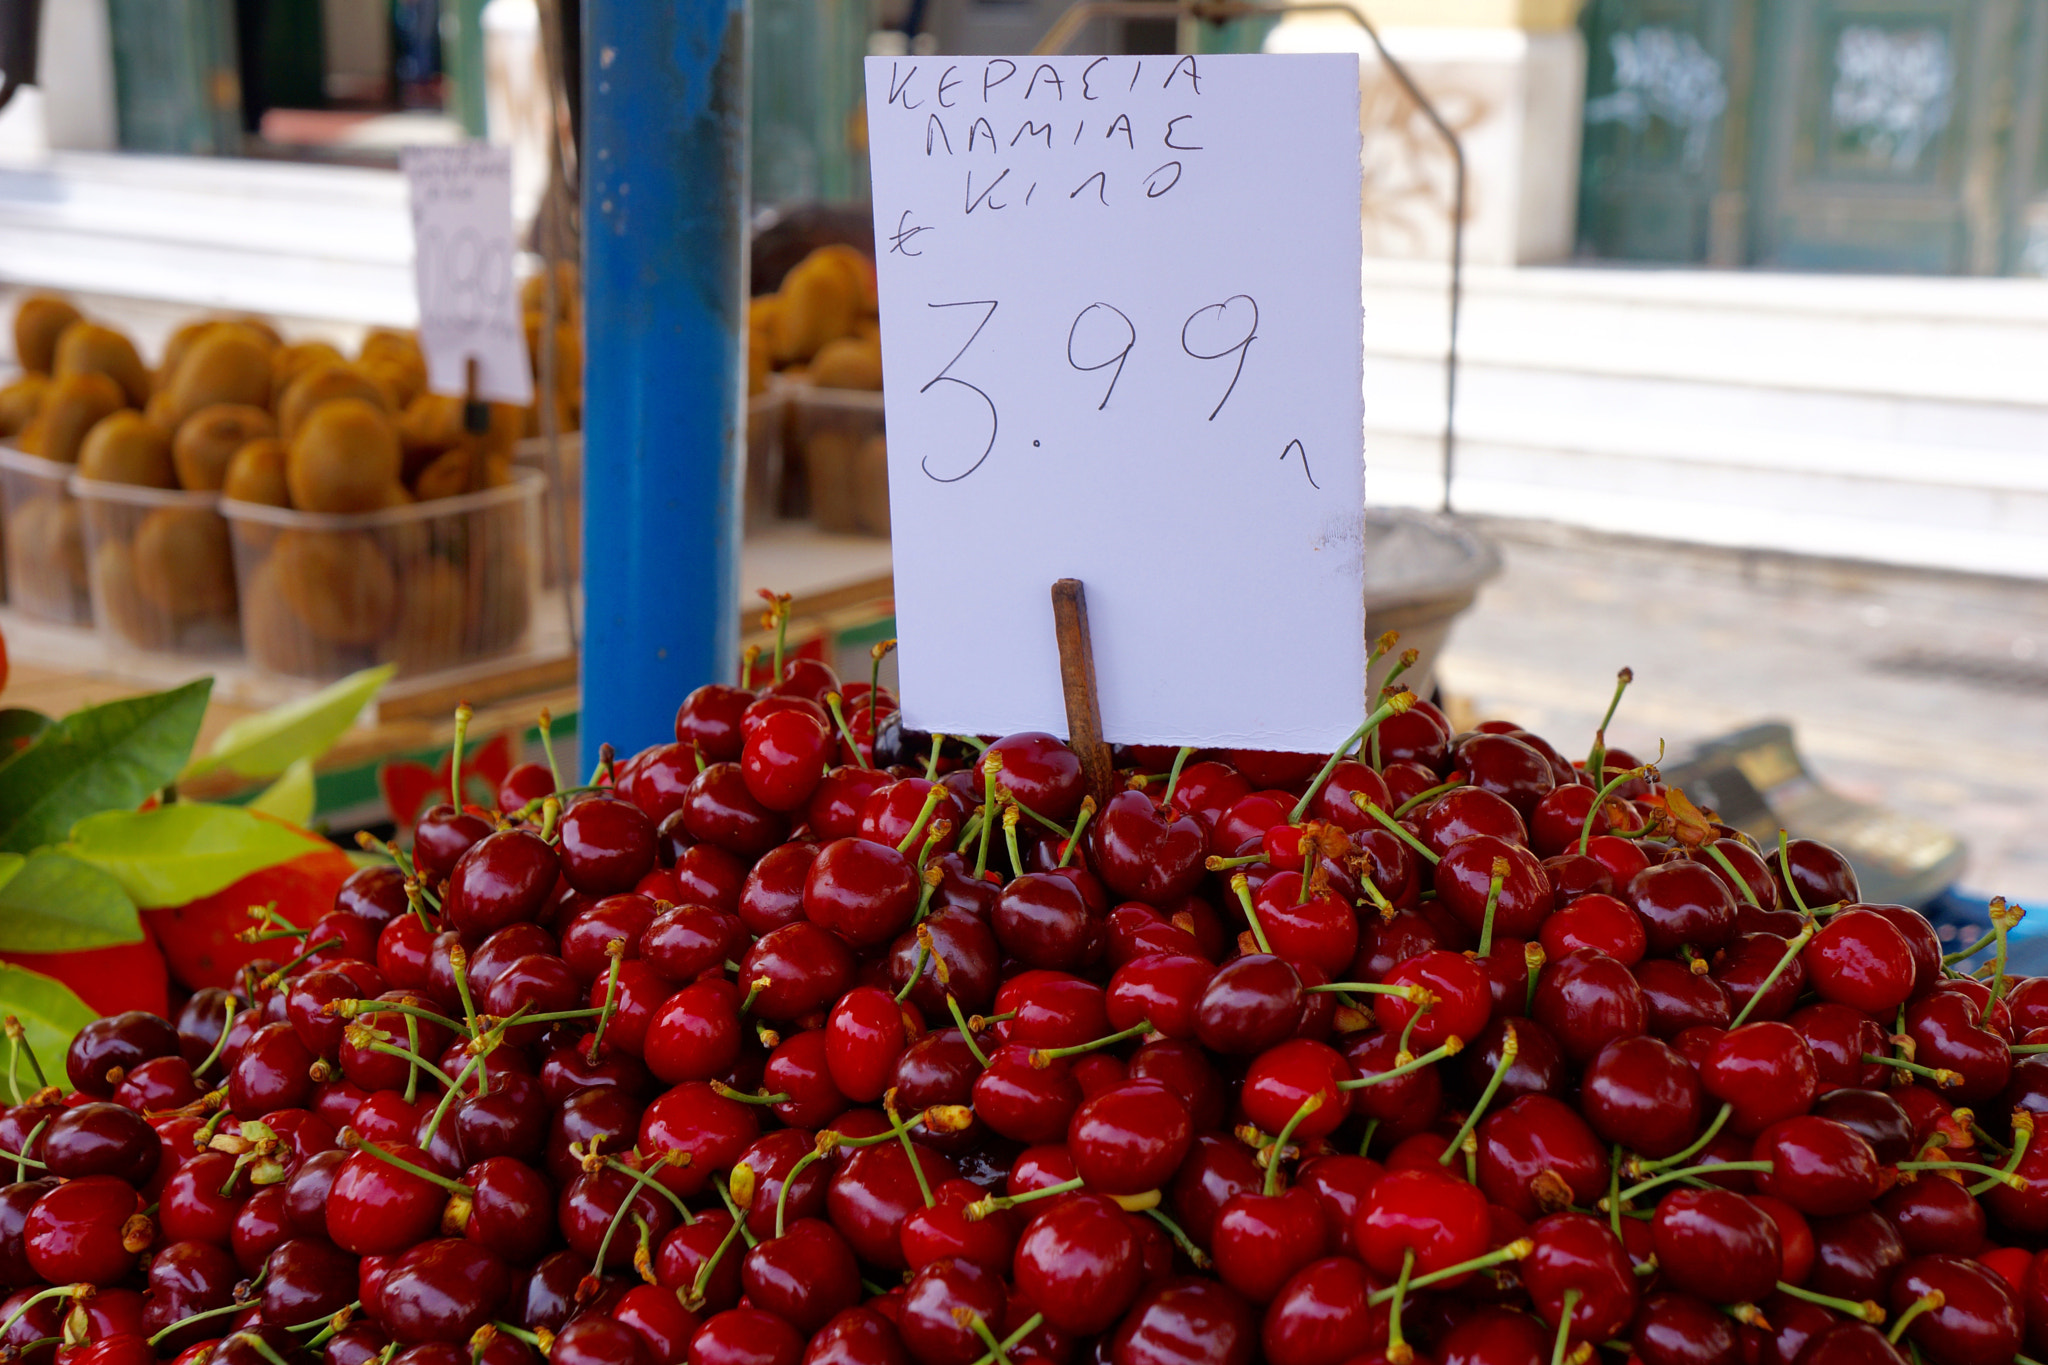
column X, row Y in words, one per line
column 1123, row 342
column 462, row 269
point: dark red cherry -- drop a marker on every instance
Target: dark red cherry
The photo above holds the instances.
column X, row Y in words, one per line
column 1434, row 1214
column 697, row 1120
column 1597, row 922
column 806, row 967
column 1679, row 1329
column 1717, row 1244
column 709, row 719
column 1079, row 1262
column 784, row 758
column 375, row 893
column 1130, row 1138
column 1682, row 903
column 721, row 811
column 746, row 1336
column 1818, row 1166
column 1855, row 1255
column 1860, row 959
column 940, row 1307
column 1536, row 1156
column 1820, row 876
column 86, row 1231
column 1251, row 1003
column 1144, row 853
column 1765, row 1071
column 1577, row 1252
column 1977, row 1321
column 1463, row 880
column 805, row 1276
column 874, row 1192
column 442, row 1290
column 106, row 1050
column 864, row 892
column 1641, row 1093
column 104, row 1139
column 687, row 1250
column 1322, row 1316
column 1260, row 1240
column 1679, row 998
column 1586, row 1000
column 503, row 879
column 1039, row 771
column 1507, row 767
column 441, row 836
column 1187, row 1321
column 686, row 941
column 1934, row 1216
column 1948, row 1032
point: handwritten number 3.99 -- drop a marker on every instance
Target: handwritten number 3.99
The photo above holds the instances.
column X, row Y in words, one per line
column 946, row 376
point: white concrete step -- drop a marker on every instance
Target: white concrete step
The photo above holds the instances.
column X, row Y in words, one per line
column 1895, row 420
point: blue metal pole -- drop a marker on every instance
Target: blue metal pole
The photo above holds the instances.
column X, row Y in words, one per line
column 665, row 249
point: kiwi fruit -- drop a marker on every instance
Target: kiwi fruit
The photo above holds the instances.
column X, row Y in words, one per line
column 72, row 406
column 88, row 348
column 430, row 427
column 175, row 347
column 46, row 550
column 447, row 476
column 499, row 576
column 227, row 364
column 337, row 583
column 289, row 362
column 820, row 302
column 117, row 597
column 38, row 323
column 385, row 343
column 432, row 613
column 322, row 384
column 255, row 473
column 273, row 635
column 184, row 565
column 21, row 401
column 846, row 363
column 344, row 459
column 126, row 447
column 209, row 438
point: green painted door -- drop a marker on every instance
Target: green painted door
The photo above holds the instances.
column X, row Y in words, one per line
column 1882, row 133
column 1658, row 111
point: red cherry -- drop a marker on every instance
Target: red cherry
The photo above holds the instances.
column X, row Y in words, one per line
column 1860, row 959
column 607, row 845
column 1144, row 853
column 1260, row 1240
column 1537, row 1155
column 87, row 1231
column 709, row 719
column 784, row 757
column 1130, row 1138
column 1463, row 1000
column 1817, row 1166
column 866, row 893
column 1251, row 1003
column 1439, row 1217
column 1079, row 1262
column 1682, row 903
column 1765, row 1071
column 865, row 1034
column 1577, row 1252
column 1641, row 1093
column 805, row 1277
column 1283, row 1078
column 1322, row 1316
column 1463, row 880
column 1586, row 1000
column 1977, row 1320
column 695, row 1034
column 746, row 1336
column 1717, row 1244
column 1597, row 922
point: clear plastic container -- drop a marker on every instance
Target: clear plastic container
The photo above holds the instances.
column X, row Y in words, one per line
column 45, row 540
column 767, row 414
column 845, row 458
column 160, row 566
column 429, row 586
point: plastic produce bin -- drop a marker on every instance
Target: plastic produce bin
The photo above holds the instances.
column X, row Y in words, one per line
column 45, row 540
column 160, row 568
column 429, row 586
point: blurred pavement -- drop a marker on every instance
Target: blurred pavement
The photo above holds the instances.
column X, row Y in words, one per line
column 1920, row 690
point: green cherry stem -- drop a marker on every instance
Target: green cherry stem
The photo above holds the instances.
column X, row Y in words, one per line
column 1423, row 798
column 1667, row 1177
column 1045, row 1056
column 1081, row 820
column 1510, row 1048
column 1866, row 1311
column 1393, row 706
column 18, row 1047
column 1400, row 831
column 1513, row 1251
column 1600, row 799
column 1241, row 887
column 1792, row 951
column 924, row 814
column 1596, row 760
column 1676, row 1159
column 1926, row 1303
column 1173, row 774
column 1785, row 866
column 1451, row 1048
column 1398, row 1349
column 1497, row 875
column 462, row 716
column 836, row 703
column 1279, row 1147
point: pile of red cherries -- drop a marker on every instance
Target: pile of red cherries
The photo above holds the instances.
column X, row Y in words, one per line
column 803, row 1040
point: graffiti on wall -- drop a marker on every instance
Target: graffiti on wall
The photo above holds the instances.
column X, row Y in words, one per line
column 1892, row 93
column 1664, row 74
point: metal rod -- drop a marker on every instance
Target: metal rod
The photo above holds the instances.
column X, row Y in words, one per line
column 1077, row 16
column 665, row 248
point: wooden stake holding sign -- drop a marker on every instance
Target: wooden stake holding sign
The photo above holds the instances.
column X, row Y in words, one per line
column 1077, row 681
column 1123, row 345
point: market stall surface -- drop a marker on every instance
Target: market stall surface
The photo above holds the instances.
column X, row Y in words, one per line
column 1923, row 691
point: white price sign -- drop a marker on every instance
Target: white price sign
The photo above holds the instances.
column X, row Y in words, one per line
column 462, row 269
column 1122, row 342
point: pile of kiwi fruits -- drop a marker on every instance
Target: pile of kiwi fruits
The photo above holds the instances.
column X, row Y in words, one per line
column 820, row 329
column 235, row 410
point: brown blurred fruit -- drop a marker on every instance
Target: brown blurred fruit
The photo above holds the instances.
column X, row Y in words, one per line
column 74, row 404
column 126, row 447
column 320, row 385
column 38, row 323
column 289, row 362
column 120, row 601
column 209, row 438
column 21, row 401
column 184, row 564
column 848, row 363
column 345, row 458
column 88, row 348
column 227, row 363
column 338, row 584
column 255, row 473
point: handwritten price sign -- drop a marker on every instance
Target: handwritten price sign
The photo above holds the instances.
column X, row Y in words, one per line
column 1122, row 343
column 462, row 269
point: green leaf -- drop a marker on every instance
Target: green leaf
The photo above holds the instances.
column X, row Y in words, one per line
column 265, row 745
column 181, row 852
column 51, row 903
column 50, row 1015
column 291, row 796
column 19, row 726
column 99, row 758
